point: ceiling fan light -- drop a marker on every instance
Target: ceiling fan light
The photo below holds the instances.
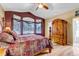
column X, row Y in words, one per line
column 40, row 6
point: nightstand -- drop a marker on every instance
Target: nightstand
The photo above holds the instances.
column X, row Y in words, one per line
column 3, row 51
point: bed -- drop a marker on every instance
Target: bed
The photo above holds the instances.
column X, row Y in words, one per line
column 24, row 45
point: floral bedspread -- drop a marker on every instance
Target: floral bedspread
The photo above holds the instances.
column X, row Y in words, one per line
column 28, row 45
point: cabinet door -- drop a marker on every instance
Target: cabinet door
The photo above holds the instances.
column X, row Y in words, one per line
column 55, row 28
column 60, row 27
column 55, row 31
column 65, row 33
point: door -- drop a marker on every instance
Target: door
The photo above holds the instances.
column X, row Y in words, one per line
column 76, row 31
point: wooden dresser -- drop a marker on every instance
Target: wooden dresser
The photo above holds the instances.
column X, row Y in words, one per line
column 59, row 31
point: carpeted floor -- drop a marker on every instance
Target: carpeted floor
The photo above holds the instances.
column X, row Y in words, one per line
column 62, row 51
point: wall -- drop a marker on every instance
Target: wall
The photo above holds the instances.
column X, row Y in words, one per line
column 1, row 15
column 1, row 11
column 68, row 16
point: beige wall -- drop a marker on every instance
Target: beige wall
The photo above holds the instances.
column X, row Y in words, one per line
column 1, row 15
column 1, row 11
column 68, row 16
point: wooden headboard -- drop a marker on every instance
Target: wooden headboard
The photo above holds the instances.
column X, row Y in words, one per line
column 0, row 26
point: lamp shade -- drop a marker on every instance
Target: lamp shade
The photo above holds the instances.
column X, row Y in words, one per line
column 7, row 29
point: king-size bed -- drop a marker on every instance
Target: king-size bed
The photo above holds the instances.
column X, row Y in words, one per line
column 23, row 45
column 29, row 45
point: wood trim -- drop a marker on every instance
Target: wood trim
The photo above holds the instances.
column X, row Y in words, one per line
column 21, row 26
column 9, row 19
column 40, row 51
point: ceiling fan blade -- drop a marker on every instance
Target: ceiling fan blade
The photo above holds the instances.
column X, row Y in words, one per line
column 46, row 7
column 43, row 5
column 37, row 8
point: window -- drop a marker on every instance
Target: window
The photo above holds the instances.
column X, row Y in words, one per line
column 38, row 26
column 27, row 25
column 16, row 26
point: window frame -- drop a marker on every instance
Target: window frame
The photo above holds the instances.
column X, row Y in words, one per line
column 21, row 26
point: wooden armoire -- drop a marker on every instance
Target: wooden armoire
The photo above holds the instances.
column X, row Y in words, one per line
column 59, row 31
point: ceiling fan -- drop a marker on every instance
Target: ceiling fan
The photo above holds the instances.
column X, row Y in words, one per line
column 42, row 5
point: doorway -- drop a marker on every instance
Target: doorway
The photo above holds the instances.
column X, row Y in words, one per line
column 76, row 31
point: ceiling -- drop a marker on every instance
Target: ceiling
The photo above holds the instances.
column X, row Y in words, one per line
column 54, row 8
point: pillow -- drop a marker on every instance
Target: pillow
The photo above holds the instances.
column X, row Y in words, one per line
column 14, row 34
column 5, row 37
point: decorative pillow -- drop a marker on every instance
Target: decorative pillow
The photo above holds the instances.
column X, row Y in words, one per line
column 14, row 34
column 5, row 37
